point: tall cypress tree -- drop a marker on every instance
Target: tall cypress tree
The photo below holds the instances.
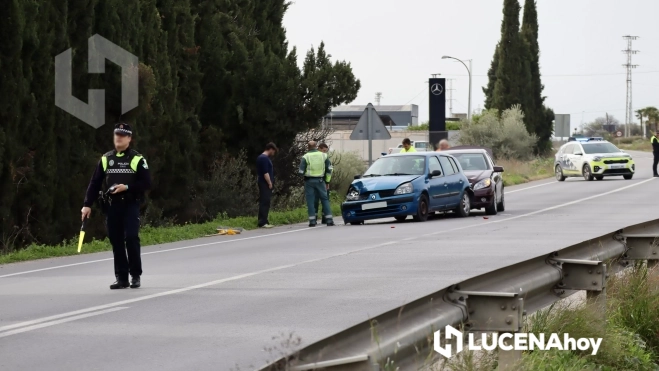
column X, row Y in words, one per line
column 492, row 79
column 513, row 72
column 542, row 123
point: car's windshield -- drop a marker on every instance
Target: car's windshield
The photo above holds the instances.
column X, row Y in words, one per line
column 590, row 148
column 397, row 165
column 472, row 161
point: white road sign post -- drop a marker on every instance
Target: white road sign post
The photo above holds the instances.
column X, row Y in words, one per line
column 370, row 127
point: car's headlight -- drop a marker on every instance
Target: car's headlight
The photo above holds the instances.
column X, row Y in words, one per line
column 353, row 195
column 483, row 184
column 597, row 159
column 404, row 189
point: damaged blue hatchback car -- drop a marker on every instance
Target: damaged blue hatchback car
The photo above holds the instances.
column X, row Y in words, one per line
column 405, row 184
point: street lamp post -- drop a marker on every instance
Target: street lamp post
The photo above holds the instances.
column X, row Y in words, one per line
column 469, row 71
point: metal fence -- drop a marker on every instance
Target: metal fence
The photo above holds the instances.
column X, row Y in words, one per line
column 493, row 302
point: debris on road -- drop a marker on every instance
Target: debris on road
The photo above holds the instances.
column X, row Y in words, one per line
column 228, row 231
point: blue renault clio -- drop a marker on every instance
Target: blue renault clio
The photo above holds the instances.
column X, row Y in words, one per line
column 405, row 184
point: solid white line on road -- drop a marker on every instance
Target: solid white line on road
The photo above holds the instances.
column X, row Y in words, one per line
column 527, row 188
column 155, row 252
column 53, row 323
column 269, row 270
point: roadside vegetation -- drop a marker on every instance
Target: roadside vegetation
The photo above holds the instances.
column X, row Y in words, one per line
column 630, row 331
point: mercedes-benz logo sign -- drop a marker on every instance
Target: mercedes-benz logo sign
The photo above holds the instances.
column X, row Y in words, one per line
column 372, row 197
column 436, row 89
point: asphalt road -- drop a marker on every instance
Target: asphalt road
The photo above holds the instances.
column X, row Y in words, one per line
column 217, row 303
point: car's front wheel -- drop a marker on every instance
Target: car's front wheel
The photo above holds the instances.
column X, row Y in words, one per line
column 491, row 209
column 559, row 173
column 464, row 208
column 587, row 174
column 501, row 206
column 422, row 210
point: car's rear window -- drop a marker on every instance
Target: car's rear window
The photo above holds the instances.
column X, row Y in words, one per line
column 472, row 161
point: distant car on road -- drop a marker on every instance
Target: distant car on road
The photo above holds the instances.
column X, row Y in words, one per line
column 406, row 184
column 592, row 160
column 485, row 177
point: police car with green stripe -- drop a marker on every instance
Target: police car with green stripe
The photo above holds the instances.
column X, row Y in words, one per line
column 592, row 159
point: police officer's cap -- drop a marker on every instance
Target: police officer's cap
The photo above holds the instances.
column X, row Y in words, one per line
column 123, row 129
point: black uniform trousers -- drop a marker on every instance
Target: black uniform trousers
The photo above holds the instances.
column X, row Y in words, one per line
column 265, row 196
column 656, row 162
column 123, row 225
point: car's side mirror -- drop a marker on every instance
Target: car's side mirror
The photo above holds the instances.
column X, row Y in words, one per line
column 435, row 173
column 498, row 169
column 383, row 153
column 358, row 176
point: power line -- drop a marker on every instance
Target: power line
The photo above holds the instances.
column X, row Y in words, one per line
column 628, row 105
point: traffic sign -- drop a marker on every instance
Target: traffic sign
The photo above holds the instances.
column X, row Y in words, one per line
column 370, row 127
column 619, row 133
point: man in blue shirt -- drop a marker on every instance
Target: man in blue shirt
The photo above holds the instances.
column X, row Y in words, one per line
column 265, row 180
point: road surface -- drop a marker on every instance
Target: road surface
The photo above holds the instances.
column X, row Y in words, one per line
column 219, row 303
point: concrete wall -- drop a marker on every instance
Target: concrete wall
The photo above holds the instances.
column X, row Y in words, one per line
column 340, row 141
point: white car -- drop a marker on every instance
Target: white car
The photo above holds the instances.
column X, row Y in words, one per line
column 592, row 159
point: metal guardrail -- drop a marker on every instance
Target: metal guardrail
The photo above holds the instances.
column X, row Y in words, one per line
column 493, row 302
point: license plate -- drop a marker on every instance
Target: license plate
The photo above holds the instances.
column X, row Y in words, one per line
column 374, row 205
column 618, row 166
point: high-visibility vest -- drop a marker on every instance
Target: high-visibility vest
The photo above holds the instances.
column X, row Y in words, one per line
column 121, row 168
column 412, row 149
column 654, row 137
column 315, row 164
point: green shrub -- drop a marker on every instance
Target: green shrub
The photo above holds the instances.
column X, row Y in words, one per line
column 346, row 166
column 506, row 134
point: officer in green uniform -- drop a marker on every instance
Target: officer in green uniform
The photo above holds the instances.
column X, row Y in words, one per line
column 317, row 170
column 655, row 151
column 124, row 174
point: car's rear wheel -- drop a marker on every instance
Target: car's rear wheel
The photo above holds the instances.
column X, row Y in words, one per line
column 628, row 176
column 492, row 208
column 422, row 210
column 400, row 218
column 599, row 177
column 464, row 208
column 559, row 173
column 587, row 174
column 501, row 206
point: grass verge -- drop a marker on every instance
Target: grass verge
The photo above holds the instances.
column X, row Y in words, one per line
column 158, row 235
column 519, row 172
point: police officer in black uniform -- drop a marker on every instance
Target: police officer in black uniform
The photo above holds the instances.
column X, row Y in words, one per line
column 655, row 151
column 124, row 174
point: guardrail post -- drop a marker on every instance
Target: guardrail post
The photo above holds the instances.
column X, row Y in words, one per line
column 643, row 247
column 500, row 312
column 589, row 275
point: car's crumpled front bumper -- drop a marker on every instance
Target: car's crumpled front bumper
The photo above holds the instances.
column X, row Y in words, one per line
column 353, row 211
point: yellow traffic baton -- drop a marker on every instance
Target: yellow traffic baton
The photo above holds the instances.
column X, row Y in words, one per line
column 82, row 234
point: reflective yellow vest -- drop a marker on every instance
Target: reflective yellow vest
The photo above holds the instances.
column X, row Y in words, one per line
column 412, row 149
column 315, row 164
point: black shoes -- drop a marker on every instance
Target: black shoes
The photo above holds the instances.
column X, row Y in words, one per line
column 119, row 284
column 312, row 224
column 331, row 224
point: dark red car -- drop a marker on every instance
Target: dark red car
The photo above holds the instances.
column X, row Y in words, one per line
column 485, row 177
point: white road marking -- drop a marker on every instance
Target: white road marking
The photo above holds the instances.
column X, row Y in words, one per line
column 154, row 252
column 527, row 188
column 53, row 323
column 270, row 270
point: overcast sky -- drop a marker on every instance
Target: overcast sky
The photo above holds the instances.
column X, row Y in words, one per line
column 394, row 46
